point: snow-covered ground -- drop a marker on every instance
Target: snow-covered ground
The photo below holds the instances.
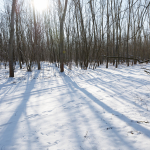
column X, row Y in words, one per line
column 102, row 109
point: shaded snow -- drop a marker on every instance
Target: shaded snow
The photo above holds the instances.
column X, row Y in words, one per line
column 102, row 109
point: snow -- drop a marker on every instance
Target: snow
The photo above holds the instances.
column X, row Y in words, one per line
column 101, row 109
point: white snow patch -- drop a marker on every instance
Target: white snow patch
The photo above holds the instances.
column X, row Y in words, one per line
column 101, row 109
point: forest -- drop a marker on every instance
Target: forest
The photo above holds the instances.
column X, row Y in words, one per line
column 74, row 75
column 87, row 32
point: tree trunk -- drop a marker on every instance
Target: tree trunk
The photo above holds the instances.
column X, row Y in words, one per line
column 107, row 34
column 61, row 47
column 11, row 70
column 62, row 52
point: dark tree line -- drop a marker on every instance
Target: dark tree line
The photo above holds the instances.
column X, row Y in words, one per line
column 87, row 32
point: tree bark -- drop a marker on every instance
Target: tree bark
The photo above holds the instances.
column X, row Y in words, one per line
column 11, row 69
column 62, row 19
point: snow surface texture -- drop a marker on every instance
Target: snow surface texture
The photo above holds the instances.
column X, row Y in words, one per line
column 102, row 109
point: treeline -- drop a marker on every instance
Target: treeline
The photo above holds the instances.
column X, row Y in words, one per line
column 84, row 31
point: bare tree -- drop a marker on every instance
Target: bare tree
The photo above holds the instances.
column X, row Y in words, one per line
column 11, row 69
column 62, row 15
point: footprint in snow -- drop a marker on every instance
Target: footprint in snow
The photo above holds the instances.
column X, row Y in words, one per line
column 79, row 105
column 135, row 132
column 65, row 107
column 71, row 101
column 32, row 116
column 56, row 142
column 109, row 128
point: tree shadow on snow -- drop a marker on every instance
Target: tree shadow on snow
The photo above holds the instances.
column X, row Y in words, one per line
column 9, row 132
column 73, row 85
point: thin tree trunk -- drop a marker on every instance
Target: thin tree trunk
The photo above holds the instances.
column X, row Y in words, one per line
column 17, row 39
column 107, row 33
column 11, row 69
column 62, row 19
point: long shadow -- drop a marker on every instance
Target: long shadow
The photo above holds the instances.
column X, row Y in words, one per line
column 9, row 80
column 3, row 85
column 72, row 123
column 73, row 86
column 135, row 79
column 9, row 129
column 113, row 89
column 122, row 117
column 106, row 88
